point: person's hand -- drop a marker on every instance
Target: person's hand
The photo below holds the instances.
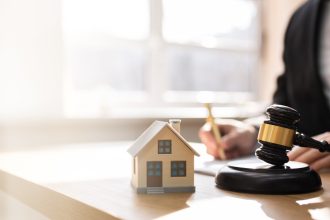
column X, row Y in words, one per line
column 313, row 157
column 238, row 138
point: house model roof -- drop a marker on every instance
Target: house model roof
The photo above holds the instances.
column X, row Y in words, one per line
column 150, row 132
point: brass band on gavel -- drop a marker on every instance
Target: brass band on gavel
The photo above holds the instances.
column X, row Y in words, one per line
column 276, row 135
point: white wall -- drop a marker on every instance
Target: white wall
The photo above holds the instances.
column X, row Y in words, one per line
column 30, row 59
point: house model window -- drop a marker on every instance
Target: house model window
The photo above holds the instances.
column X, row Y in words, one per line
column 178, row 168
column 164, row 146
column 154, row 168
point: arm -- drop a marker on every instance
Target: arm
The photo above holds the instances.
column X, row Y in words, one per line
column 281, row 93
column 280, row 96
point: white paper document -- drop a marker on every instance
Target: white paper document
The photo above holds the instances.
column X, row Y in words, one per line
column 207, row 165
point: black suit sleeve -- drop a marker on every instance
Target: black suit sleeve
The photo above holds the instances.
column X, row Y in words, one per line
column 280, row 96
column 281, row 93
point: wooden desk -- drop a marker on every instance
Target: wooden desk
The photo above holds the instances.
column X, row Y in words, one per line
column 92, row 181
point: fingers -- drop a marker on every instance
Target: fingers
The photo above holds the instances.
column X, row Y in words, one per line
column 227, row 125
column 235, row 141
column 320, row 136
column 310, row 156
column 232, row 153
column 299, row 151
column 313, row 157
column 213, row 148
column 324, row 136
column 209, row 141
column 229, row 141
column 296, row 152
column 321, row 163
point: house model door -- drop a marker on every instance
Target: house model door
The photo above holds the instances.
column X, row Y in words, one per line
column 154, row 174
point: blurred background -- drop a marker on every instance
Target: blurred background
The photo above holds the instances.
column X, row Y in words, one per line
column 101, row 70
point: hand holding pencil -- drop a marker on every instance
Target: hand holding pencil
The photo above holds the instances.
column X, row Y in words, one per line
column 227, row 138
column 215, row 130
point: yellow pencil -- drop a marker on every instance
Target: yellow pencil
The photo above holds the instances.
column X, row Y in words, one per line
column 215, row 130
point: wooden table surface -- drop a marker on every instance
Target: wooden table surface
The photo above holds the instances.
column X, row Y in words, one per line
column 92, row 181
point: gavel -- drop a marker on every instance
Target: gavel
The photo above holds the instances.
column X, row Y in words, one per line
column 278, row 134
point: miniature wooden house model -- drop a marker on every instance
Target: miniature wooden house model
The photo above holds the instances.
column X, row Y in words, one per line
column 163, row 161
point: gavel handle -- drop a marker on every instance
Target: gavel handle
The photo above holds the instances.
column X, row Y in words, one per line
column 305, row 141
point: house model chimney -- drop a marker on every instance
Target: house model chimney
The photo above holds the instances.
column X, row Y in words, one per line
column 175, row 123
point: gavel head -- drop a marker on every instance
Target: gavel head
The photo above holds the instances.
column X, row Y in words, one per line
column 276, row 134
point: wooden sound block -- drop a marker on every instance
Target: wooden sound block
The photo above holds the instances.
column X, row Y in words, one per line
column 263, row 178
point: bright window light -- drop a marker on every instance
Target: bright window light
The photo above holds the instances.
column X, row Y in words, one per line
column 206, row 20
column 158, row 52
column 117, row 18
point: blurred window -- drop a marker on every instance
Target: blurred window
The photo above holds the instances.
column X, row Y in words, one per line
column 155, row 51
